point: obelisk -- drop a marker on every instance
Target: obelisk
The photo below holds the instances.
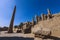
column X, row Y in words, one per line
column 10, row 29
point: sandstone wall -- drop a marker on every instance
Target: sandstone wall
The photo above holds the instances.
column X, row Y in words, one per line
column 53, row 24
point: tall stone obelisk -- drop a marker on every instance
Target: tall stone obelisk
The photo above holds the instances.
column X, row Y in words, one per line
column 10, row 29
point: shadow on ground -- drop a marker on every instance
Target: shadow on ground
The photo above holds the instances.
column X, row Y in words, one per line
column 22, row 38
column 53, row 37
column 15, row 38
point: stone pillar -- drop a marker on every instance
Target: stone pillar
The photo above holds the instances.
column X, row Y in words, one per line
column 36, row 18
column 33, row 22
column 10, row 30
column 49, row 14
column 42, row 16
column 45, row 17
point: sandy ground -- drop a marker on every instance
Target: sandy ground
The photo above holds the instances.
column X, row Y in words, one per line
column 5, row 34
column 20, row 36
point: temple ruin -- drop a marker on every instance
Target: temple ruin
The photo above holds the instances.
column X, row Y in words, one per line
column 48, row 21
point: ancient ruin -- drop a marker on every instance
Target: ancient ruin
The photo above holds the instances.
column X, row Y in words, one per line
column 45, row 25
column 10, row 30
column 49, row 22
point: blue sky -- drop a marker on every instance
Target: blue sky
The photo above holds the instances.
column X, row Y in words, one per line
column 26, row 9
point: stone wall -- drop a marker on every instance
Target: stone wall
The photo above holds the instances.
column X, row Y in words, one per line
column 53, row 24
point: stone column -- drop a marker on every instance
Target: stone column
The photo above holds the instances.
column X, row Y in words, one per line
column 45, row 17
column 33, row 22
column 49, row 14
column 36, row 18
column 42, row 16
column 10, row 30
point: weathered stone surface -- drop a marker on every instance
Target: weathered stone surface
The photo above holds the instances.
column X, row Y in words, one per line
column 53, row 24
column 19, row 31
column 27, row 27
